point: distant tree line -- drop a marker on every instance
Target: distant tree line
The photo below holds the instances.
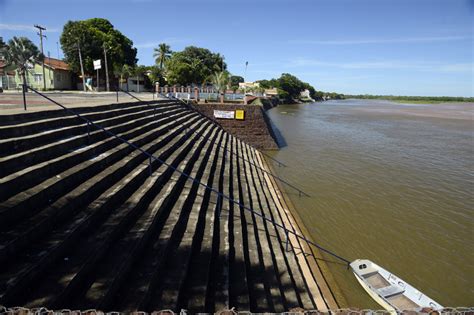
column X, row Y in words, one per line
column 289, row 88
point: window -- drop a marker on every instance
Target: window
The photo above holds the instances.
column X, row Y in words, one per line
column 38, row 77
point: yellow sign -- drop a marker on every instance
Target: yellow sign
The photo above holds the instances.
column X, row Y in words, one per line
column 239, row 114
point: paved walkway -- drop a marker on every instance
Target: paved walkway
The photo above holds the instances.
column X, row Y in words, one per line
column 12, row 102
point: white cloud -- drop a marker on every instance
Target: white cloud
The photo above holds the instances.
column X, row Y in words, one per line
column 382, row 40
column 25, row 28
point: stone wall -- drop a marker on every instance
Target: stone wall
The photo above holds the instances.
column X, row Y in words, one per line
column 254, row 129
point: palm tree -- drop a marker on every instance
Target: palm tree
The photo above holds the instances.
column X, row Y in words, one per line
column 21, row 53
column 162, row 53
column 220, row 80
column 123, row 72
column 137, row 72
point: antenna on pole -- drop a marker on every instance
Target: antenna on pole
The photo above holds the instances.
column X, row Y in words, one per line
column 40, row 33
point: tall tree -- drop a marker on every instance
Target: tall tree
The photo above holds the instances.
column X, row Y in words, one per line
column 193, row 65
column 21, row 54
column 162, row 54
column 93, row 35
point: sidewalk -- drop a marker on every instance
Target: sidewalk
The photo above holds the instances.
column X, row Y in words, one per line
column 12, row 101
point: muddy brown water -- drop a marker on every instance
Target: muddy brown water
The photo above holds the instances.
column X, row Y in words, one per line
column 390, row 182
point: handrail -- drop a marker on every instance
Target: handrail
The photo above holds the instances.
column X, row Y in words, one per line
column 131, row 95
column 217, row 123
column 300, row 191
column 188, row 176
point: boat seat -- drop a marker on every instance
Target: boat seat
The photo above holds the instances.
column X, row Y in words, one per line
column 390, row 291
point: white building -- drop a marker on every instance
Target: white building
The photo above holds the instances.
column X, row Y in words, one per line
column 305, row 94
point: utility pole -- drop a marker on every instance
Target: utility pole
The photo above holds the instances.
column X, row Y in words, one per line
column 106, row 70
column 82, row 67
column 57, row 47
column 40, row 33
column 49, row 70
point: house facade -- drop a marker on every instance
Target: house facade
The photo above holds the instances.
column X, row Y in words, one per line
column 57, row 76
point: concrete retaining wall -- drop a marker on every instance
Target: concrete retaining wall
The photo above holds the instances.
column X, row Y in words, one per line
column 254, row 129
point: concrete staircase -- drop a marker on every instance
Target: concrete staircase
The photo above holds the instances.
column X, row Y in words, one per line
column 83, row 224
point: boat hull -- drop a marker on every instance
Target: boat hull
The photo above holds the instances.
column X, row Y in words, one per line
column 388, row 290
column 375, row 296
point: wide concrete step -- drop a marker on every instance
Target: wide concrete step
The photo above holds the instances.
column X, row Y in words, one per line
column 261, row 298
column 218, row 281
column 19, row 205
column 35, row 138
column 176, row 268
column 131, row 249
column 192, row 292
column 142, row 170
column 149, row 277
column 82, row 192
column 284, row 262
column 35, row 174
column 55, row 117
column 14, row 162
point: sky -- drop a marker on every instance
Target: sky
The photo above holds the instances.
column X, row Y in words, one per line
column 390, row 47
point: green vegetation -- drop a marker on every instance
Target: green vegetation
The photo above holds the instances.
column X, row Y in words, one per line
column 193, row 65
column 289, row 88
column 234, row 82
column 20, row 53
column 162, row 54
column 220, row 80
column 123, row 73
column 414, row 99
column 92, row 36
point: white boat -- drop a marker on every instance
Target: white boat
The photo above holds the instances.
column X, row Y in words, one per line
column 391, row 292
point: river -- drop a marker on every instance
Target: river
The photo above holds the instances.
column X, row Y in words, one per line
column 390, row 182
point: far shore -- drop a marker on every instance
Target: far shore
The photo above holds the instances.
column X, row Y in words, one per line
column 415, row 99
column 445, row 110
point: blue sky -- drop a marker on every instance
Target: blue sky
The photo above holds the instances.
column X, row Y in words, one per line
column 400, row 47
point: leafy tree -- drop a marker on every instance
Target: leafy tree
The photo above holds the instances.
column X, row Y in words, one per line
column 162, row 54
column 234, row 82
column 268, row 84
column 291, row 84
column 21, row 53
column 2, row 43
column 156, row 75
column 92, row 36
column 193, row 65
